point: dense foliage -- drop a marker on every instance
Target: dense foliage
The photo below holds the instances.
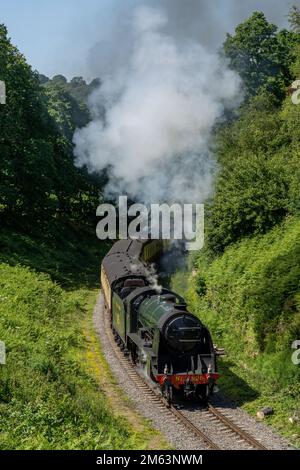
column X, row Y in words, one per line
column 258, row 153
column 254, row 286
column 258, row 182
column 294, row 17
column 261, row 55
column 38, row 179
column 67, row 101
column 247, row 283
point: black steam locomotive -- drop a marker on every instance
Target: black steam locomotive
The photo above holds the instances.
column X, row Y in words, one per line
column 171, row 346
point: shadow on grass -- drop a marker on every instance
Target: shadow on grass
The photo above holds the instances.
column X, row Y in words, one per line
column 233, row 386
column 72, row 259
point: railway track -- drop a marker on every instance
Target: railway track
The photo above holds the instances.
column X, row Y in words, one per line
column 254, row 443
column 172, row 412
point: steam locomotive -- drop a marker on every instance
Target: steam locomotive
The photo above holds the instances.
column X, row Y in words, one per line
column 165, row 341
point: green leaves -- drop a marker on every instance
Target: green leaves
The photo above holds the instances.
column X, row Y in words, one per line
column 259, row 177
column 261, row 55
column 255, row 285
column 251, row 198
column 38, row 179
column 294, row 17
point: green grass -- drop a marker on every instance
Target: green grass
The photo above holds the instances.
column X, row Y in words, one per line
column 48, row 400
column 50, row 397
column 241, row 385
column 69, row 257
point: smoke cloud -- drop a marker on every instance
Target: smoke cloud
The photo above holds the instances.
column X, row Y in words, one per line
column 203, row 21
column 160, row 109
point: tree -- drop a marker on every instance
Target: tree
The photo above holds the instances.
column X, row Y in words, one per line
column 67, row 102
column 259, row 177
column 42, row 78
column 65, row 110
column 294, row 18
column 261, row 55
column 38, row 179
column 59, row 79
column 78, row 81
column 27, row 160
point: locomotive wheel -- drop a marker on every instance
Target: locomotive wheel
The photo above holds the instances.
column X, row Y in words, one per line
column 202, row 393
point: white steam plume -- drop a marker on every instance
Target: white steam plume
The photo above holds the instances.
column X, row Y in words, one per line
column 150, row 273
column 160, row 112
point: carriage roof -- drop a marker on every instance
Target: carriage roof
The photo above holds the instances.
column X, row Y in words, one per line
column 133, row 248
column 121, row 265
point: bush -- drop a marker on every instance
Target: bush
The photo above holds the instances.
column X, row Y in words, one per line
column 258, row 183
column 252, row 300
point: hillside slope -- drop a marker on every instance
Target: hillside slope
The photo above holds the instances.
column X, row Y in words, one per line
column 54, row 385
column 246, row 283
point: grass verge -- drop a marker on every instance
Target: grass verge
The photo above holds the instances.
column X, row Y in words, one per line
column 54, row 387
